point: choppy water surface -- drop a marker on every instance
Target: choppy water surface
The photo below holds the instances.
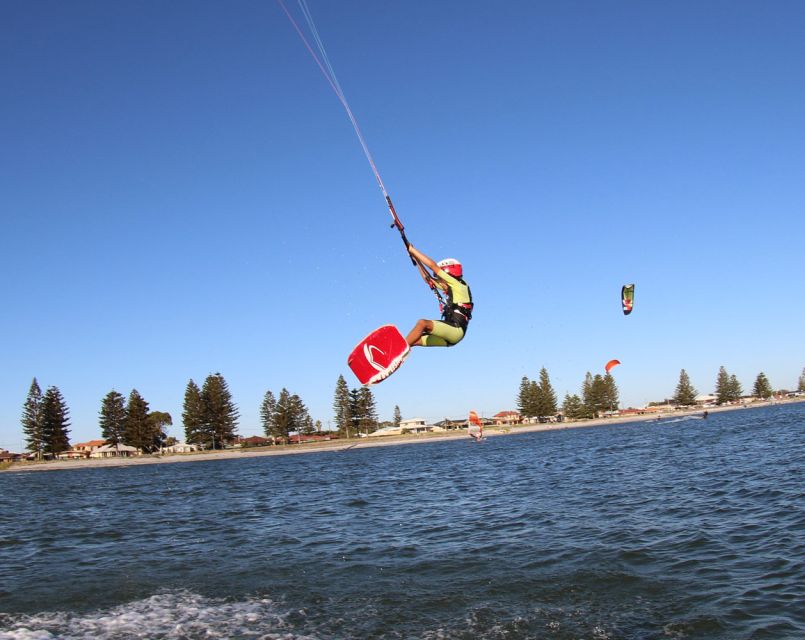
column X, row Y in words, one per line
column 683, row 529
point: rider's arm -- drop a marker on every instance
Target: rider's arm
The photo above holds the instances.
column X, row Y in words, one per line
column 428, row 262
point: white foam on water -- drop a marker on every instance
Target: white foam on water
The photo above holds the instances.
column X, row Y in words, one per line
column 167, row 616
column 680, row 419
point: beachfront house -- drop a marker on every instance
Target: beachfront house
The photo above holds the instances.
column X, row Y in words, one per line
column 412, row 425
column 386, row 431
column 71, row 454
column 115, row 451
column 451, row 424
column 82, row 450
column 89, row 447
column 7, row 456
column 417, row 425
column 507, row 417
column 705, row 400
column 254, row 441
column 180, row 447
column 300, row 438
column 630, row 412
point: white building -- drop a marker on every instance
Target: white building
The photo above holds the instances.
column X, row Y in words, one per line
column 704, row 400
column 115, row 451
column 417, row 425
column 412, row 425
column 180, row 447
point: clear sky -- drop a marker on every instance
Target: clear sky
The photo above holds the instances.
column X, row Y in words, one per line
column 183, row 194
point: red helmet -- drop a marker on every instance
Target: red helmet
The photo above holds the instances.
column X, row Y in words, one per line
column 451, row 266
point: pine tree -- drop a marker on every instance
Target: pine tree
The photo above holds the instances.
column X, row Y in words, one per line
column 762, row 388
column 137, row 430
column 354, row 411
column 283, row 418
column 599, row 395
column 307, row 425
column 610, row 393
column 32, row 420
column 735, row 388
column 546, row 396
column 685, row 394
column 367, row 410
column 113, row 417
column 397, row 419
column 572, row 407
column 193, row 415
column 341, row 405
column 723, row 392
column 524, row 400
column 587, row 395
column 267, row 410
column 55, row 420
column 300, row 420
column 534, row 399
column 220, row 413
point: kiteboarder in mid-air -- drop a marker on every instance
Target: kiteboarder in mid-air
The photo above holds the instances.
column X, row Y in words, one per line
column 456, row 310
column 381, row 353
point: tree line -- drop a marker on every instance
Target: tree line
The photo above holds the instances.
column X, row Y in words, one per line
column 728, row 388
column 599, row 394
column 210, row 416
column 131, row 422
column 285, row 414
column 46, row 421
column 355, row 409
column 537, row 399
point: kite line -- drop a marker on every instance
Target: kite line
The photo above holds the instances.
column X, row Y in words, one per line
column 323, row 62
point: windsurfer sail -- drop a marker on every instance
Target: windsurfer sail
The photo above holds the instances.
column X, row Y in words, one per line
column 475, row 428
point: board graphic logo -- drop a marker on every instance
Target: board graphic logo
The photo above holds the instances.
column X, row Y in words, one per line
column 367, row 351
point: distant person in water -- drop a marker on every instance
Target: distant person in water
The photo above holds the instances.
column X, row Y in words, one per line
column 448, row 277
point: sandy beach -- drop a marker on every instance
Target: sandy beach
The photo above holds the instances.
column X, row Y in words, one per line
column 363, row 443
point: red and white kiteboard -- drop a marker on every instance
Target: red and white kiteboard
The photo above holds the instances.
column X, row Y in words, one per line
column 378, row 355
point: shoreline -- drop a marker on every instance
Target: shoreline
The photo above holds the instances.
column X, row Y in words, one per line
column 363, row 443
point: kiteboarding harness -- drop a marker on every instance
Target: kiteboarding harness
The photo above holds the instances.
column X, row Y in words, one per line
column 457, row 314
column 323, row 62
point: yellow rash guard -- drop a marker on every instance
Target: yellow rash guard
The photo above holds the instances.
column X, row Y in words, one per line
column 449, row 331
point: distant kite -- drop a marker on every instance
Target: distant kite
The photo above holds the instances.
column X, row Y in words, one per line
column 610, row 364
column 627, row 298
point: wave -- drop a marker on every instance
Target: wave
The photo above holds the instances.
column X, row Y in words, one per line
column 168, row 616
column 680, row 419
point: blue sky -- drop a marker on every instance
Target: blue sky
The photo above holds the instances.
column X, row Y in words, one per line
column 183, row 194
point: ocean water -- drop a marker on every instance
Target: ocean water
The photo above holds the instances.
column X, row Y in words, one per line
column 684, row 528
